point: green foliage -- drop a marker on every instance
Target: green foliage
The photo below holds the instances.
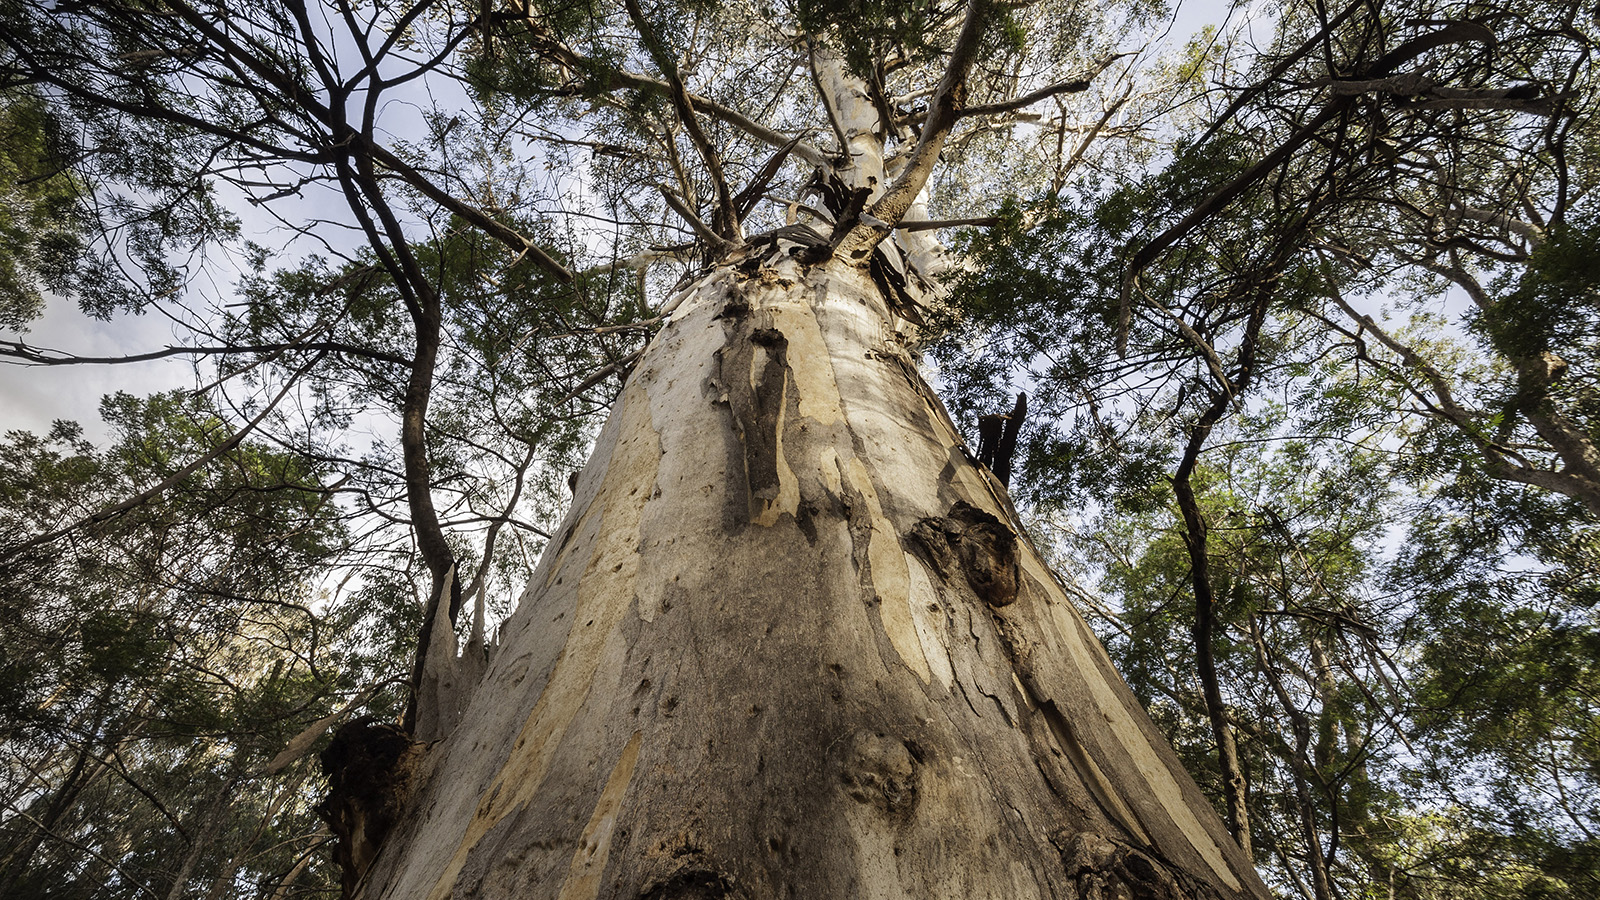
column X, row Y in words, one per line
column 508, row 61
column 1552, row 304
column 866, row 29
column 153, row 664
column 1505, row 581
column 104, row 204
column 41, row 224
column 1292, row 539
column 1493, row 789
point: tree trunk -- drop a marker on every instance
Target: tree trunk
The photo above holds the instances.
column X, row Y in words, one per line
column 790, row 642
column 17, row 860
column 1195, row 537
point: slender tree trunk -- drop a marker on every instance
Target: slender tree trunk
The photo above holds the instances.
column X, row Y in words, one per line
column 1301, row 769
column 202, row 837
column 20, row 857
column 1234, row 785
column 1223, row 395
column 790, row 642
column 444, row 592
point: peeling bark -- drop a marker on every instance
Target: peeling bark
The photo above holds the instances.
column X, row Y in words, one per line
column 791, row 642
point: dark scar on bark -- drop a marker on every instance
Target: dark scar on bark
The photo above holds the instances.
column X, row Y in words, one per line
column 693, row 884
column 1110, row 868
column 737, row 307
column 805, row 517
column 972, row 544
column 880, row 771
column 756, row 398
column 369, row 767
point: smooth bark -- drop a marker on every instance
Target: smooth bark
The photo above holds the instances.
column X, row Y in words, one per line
column 790, row 641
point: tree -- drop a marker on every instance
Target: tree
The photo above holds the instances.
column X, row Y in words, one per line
column 1374, row 165
column 791, row 638
column 157, row 664
column 37, row 212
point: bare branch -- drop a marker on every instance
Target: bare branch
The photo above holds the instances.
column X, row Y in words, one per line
column 680, row 206
column 24, row 355
column 725, row 216
column 943, row 112
column 598, row 377
column 932, row 224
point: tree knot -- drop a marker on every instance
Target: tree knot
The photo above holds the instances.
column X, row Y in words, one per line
column 976, row 545
column 880, row 771
column 1107, row 868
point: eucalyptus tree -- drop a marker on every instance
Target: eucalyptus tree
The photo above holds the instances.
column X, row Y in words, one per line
column 168, row 122
column 156, row 664
column 791, row 637
column 1414, row 155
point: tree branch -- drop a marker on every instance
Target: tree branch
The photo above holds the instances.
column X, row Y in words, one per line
column 943, row 112
column 718, row 243
column 932, row 224
column 24, row 355
column 1070, row 86
column 577, row 62
column 1450, row 33
column 145, row 496
column 725, row 216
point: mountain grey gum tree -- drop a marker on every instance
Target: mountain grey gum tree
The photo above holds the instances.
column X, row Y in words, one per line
column 789, row 643
column 790, row 640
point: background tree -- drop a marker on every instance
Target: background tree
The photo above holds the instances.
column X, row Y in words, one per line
column 158, row 662
column 1407, row 155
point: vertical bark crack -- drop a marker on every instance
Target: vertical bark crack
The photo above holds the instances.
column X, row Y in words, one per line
column 753, row 375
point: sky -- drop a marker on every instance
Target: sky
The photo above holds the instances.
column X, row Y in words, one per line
column 31, row 397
